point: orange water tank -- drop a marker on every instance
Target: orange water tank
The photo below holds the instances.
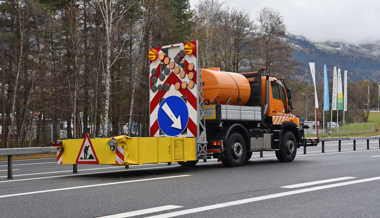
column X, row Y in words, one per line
column 225, row 87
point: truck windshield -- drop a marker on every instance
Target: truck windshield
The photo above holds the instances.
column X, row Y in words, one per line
column 278, row 93
column 283, row 98
column 276, row 90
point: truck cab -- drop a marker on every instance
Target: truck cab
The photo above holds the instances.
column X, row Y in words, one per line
column 279, row 101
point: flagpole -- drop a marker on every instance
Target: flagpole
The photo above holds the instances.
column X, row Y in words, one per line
column 326, row 100
column 337, row 120
column 331, row 119
column 312, row 70
column 344, row 121
column 378, row 99
column 334, row 100
column 344, row 114
column 340, row 99
column 336, row 104
column 345, row 102
column 316, row 120
column 323, row 121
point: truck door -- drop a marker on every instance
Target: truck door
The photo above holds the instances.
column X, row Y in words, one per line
column 278, row 98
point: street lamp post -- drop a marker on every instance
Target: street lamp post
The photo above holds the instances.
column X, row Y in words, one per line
column 306, row 99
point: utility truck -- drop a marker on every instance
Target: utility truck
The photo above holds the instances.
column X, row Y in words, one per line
column 200, row 114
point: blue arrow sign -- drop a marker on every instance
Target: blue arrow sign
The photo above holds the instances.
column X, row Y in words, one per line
column 173, row 116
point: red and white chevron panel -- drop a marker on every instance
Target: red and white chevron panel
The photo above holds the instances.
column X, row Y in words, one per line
column 172, row 68
column 119, row 154
column 312, row 140
column 59, row 156
column 278, row 120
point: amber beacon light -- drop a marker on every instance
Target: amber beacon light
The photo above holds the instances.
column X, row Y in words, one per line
column 153, row 54
column 189, row 48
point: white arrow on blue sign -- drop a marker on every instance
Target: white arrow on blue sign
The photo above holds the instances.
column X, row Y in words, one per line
column 173, row 116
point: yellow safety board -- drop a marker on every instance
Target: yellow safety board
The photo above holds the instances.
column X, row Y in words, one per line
column 130, row 151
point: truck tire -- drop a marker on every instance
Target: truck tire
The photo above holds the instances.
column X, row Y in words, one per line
column 188, row 163
column 248, row 157
column 288, row 149
column 235, row 152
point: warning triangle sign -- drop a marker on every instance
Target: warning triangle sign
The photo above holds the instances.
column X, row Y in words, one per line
column 87, row 153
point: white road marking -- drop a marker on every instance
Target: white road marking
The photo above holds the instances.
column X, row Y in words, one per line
column 262, row 198
column 376, row 156
column 268, row 156
column 318, row 153
column 29, row 164
column 317, row 182
column 7, row 170
column 62, row 176
column 209, row 162
column 81, row 174
column 35, row 159
column 91, row 186
column 65, row 171
column 142, row 212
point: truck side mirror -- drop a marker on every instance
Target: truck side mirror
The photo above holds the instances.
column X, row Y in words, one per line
column 289, row 93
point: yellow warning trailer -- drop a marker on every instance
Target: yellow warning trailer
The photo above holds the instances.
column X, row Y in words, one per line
column 177, row 129
column 123, row 150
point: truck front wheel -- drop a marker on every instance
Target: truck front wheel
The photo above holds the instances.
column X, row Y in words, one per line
column 235, row 151
column 288, row 149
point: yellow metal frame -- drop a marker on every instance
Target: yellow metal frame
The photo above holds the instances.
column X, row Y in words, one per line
column 137, row 150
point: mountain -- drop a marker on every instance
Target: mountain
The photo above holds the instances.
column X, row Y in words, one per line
column 362, row 61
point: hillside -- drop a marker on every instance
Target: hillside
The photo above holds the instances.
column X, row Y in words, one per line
column 362, row 61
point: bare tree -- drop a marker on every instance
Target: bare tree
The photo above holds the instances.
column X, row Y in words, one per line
column 223, row 34
column 22, row 23
column 207, row 20
column 111, row 17
column 360, row 99
column 241, row 27
column 270, row 43
column 147, row 15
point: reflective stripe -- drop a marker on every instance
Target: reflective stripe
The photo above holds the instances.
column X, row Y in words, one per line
column 59, row 156
column 119, row 154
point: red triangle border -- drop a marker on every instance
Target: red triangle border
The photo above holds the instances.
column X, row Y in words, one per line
column 93, row 150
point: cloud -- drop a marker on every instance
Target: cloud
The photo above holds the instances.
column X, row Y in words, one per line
column 343, row 20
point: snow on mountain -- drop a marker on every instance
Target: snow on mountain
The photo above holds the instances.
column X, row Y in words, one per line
column 362, row 61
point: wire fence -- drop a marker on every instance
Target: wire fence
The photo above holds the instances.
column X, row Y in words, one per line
column 35, row 134
column 348, row 129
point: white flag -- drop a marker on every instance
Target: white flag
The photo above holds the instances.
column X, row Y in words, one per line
column 335, row 91
column 345, row 90
column 312, row 69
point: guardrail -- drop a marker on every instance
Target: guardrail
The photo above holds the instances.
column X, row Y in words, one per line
column 20, row 151
column 354, row 139
column 43, row 150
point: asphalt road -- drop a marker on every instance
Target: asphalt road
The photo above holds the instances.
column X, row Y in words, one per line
column 331, row 184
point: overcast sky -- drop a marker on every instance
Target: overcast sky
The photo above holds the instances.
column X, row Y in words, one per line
column 354, row 21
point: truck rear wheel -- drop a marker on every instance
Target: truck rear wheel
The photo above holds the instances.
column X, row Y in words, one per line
column 188, row 163
column 248, row 157
column 235, row 152
column 288, row 149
